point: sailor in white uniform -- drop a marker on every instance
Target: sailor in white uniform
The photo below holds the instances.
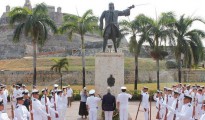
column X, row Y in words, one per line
column 122, row 103
column 39, row 110
column 21, row 112
column 145, row 102
column 159, row 100
column 3, row 115
column 3, row 96
column 61, row 104
column 92, row 105
column 203, row 115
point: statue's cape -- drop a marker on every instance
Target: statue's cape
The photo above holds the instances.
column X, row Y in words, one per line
column 111, row 31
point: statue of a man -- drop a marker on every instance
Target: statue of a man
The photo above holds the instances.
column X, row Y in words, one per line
column 111, row 24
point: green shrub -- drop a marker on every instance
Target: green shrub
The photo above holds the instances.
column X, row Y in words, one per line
column 171, row 64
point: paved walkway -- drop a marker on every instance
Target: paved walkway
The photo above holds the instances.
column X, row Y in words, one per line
column 72, row 112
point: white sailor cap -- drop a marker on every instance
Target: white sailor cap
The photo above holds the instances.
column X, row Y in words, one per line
column 169, row 89
column 187, row 96
column 25, row 92
column 92, row 91
column 23, row 85
column 55, row 85
column 45, row 89
column 35, row 91
column 145, row 87
column 158, row 91
column 59, row 90
column 177, row 92
column 18, row 86
column 123, row 88
column 84, row 88
column 19, row 97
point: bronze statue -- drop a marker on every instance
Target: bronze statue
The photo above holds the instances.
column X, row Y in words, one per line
column 111, row 24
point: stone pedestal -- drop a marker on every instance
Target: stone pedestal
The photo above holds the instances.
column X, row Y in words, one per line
column 107, row 64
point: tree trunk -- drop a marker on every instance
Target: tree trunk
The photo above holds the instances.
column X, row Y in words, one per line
column 34, row 62
column 136, row 71
column 83, row 59
column 179, row 70
column 158, row 86
column 61, row 80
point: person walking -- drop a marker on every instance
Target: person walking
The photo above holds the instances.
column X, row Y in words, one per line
column 82, row 109
column 108, row 104
column 122, row 103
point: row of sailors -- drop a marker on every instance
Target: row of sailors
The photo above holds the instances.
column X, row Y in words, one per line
column 180, row 103
column 45, row 108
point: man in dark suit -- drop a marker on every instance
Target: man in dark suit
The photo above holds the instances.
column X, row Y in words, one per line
column 108, row 104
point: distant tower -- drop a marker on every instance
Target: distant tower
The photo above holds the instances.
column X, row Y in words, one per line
column 59, row 9
column 28, row 4
column 7, row 8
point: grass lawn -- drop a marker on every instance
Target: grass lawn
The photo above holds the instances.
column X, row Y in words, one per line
column 75, row 64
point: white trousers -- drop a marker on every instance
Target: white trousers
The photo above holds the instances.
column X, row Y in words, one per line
column 123, row 113
column 61, row 114
column 93, row 114
column 198, row 111
column 108, row 115
column 146, row 114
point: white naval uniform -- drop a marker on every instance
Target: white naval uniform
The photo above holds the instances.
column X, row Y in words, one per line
column 185, row 113
column 16, row 93
column 159, row 102
column 4, row 116
column 123, row 99
column 145, row 104
column 3, row 96
column 39, row 110
column 202, row 117
column 168, row 99
column 92, row 103
column 21, row 113
column 51, row 110
column 170, row 114
column 62, row 106
column 199, row 111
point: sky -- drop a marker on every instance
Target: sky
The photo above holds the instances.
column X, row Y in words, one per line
column 150, row 8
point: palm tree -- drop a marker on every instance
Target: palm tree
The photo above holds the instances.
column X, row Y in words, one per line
column 160, row 30
column 33, row 23
column 188, row 42
column 80, row 25
column 136, row 28
column 60, row 64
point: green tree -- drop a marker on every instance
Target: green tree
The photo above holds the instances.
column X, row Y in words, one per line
column 80, row 25
column 138, row 30
column 161, row 30
column 59, row 65
column 188, row 42
column 33, row 24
